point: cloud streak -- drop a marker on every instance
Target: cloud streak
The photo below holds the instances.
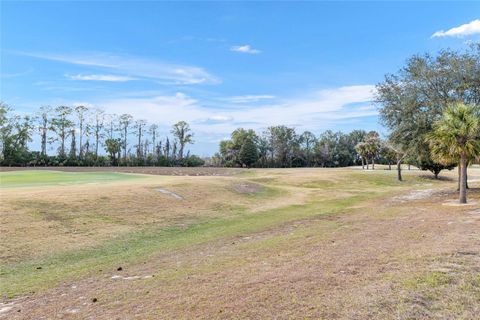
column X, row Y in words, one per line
column 249, row 98
column 460, row 31
column 129, row 66
column 100, row 77
column 245, row 49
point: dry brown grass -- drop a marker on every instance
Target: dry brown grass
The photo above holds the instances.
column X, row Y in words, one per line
column 39, row 221
column 382, row 258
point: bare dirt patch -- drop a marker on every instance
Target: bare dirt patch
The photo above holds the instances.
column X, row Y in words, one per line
column 248, row 188
column 455, row 203
column 415, row 195
column 170, row 193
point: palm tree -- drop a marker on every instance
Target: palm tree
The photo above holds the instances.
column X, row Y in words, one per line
column 372, row 147
column 456, row 136
column 361, row 149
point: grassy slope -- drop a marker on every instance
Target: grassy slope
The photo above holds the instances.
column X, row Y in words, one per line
column 341, row 196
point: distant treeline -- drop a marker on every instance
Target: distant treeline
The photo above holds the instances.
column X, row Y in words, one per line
column 283, row 147
column 82, row 135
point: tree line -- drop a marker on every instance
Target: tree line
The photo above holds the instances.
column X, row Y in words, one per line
column 283, row 147
column 81, row 136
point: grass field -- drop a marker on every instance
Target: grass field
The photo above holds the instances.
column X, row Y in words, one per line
column 272, row 243
column 45, row 178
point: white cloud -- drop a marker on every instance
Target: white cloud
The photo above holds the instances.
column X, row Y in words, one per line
column 249, row 98
column 100, row 77
column 220, row 118
column 245, row 49
column 163, row 109
column 317, row 109
column 314, row 110
column 460, row 31
column 135, row 67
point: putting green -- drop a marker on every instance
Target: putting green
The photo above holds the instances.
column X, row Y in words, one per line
column 34, row 178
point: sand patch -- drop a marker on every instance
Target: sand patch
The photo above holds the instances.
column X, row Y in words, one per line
column 247, row 188
column 170, row 193
column 115, row 277
column 455, row 203
column 415, row 195
column 6, row 307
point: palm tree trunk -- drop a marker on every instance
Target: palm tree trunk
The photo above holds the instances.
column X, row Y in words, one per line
column 463, row 180
column 363, row 164
column 373, row 164
column 466, row 178
column 399, row 170
column 459, row 175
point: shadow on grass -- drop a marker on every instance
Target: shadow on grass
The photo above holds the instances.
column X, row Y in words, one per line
column 440, row 178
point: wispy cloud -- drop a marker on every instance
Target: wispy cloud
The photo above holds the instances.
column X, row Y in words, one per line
column 245, row 49
column 100, row 77
column 16, row 74
column 315, row 110
column 320, row 108
column 460, row 31
column 249, row 98
column 220, row 118
column 129, row 66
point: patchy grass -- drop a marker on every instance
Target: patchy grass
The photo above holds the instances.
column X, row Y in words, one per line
column 308, row 243
column 430, row 280
column 24, row 277
column 119, row 225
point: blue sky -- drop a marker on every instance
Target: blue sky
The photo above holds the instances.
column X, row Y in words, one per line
column 221, row 65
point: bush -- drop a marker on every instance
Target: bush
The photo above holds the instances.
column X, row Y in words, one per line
column 192, row 161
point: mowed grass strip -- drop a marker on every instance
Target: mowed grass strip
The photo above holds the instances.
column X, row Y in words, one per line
column 38, row 178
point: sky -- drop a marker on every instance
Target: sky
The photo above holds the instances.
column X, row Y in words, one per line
column 221, row 65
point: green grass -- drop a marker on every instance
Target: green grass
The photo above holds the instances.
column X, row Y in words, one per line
column 320, row 184
column 37, row 178
column 432, row 279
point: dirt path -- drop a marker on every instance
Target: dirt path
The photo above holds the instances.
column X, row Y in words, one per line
column 408, row 259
